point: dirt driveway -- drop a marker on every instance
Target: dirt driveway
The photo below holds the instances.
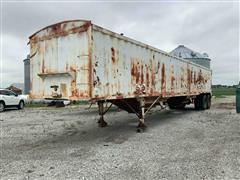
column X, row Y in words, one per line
column 65, row 143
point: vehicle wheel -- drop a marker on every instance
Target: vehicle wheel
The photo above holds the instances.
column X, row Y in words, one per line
column 197, row 104
column 209, row 101
column 2, row 106
column 21, row 105
column 204, row 101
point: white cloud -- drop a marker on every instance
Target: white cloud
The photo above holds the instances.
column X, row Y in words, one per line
column 205, row 27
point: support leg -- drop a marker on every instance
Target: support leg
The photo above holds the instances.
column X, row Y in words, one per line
column 101, row 122
column 141, row 126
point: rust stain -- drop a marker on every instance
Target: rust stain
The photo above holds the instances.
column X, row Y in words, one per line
column 172, row 82
column 158, row 65
column 133, row 69
column 137, row 75
column 43, row 66
column 151, row 90
column 30, row 85
column 57, row 30
column 200, row 78
column 135, row 72
column 142, row 75
column 73, row 69
column 191, row 76
column 163, row 79
column 113, row 55
column 172, row 78
column 114, row 59
column 153, row 73
column 74, row 89
column 147, row 77
column 63, row 89
column 182, row 77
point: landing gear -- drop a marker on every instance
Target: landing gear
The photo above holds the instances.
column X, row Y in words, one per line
column 101, row 122
column 145, row 107
column 139, row 106
column 102, row 110
column 141, row 125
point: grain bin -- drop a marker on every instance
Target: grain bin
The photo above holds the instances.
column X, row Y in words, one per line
column 26, row 75
column 191, row 55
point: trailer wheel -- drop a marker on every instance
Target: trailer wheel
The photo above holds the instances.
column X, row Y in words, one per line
column 197, row 104
column 204, row 101
column 208, row 101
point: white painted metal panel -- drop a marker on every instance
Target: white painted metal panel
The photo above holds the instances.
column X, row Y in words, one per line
column 124, row 68
column 86, row 61
column 60, row 57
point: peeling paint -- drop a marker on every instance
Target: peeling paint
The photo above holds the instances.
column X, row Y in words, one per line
column 84, row 59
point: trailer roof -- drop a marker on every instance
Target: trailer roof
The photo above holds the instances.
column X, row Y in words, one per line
column 62, row 22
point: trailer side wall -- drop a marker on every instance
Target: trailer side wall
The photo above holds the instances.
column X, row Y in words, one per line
column 124, row 68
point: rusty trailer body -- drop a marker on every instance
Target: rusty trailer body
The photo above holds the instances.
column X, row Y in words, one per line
column 79, row 60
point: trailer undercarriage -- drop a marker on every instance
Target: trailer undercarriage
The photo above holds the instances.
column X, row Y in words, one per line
column 142, row 105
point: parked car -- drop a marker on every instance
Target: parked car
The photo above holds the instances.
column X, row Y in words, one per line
column 10, row 99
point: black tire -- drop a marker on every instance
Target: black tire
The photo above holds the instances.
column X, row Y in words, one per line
column 2, row 106
column 201, row 102
column 197, row 104
column 204, row 101
column 21, row 105
column 209, row 101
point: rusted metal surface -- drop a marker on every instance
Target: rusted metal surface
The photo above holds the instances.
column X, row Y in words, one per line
column 60, row 56
column 90, row 62
column 133, row 69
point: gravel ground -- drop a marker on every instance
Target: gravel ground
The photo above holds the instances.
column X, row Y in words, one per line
column 65, row 143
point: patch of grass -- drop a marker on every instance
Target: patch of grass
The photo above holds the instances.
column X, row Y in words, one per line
column 80, row 102
column 35, row 105
column 223, row 91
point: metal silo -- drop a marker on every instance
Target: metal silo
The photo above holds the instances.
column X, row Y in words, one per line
column 26, row 75
column 196, row 57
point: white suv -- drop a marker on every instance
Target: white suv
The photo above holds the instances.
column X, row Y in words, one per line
column 10, row 99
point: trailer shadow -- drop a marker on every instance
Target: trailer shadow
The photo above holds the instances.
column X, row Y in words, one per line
column 86, row 136
column 11, row 109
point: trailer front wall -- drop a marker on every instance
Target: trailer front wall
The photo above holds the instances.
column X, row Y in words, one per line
column 60, row 55
column 125, row 69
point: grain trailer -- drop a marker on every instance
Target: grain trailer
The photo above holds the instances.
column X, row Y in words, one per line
column 78, row 60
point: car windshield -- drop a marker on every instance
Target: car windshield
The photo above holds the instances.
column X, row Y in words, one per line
column 7, row 92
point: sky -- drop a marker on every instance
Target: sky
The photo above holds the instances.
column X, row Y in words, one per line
column 210, row 27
